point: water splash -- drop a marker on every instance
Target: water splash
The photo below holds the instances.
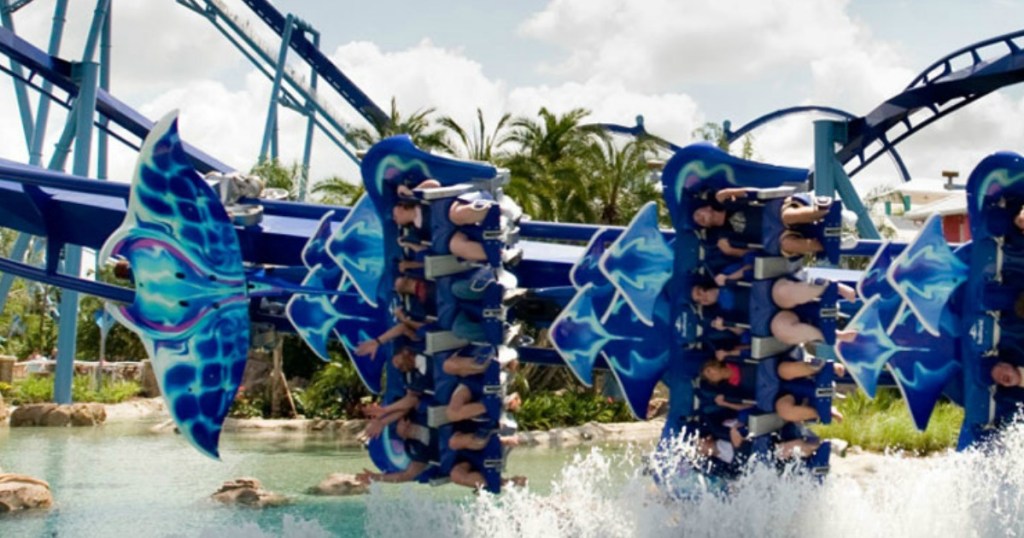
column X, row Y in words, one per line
column 974, row 493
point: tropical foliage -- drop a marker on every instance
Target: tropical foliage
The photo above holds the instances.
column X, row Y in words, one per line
column 569, row 407
column 39, row 389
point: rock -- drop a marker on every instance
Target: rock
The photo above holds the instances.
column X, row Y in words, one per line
column 59, row 416
column 247, row 492
column 4, row 412
column 31, row 414
column 657, row 407
column 150, row 387
column 49, row 414
column 340, row 484
column 20, row 492
column 88, row 414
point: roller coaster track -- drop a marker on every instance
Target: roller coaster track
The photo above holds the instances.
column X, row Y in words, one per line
column 39, row 65
column 239, row 33
column 939, row 90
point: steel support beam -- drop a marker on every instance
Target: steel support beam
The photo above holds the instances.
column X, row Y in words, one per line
column 85, row 110
column 830, row 178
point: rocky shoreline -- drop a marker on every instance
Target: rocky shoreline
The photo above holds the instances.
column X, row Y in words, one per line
column 346, row 432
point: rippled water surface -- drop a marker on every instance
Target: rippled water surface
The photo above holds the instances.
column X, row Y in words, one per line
column 119, row 481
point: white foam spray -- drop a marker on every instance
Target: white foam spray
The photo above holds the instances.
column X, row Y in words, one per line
column 975, row 493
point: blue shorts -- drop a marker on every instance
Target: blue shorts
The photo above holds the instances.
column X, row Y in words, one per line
column 768, row 384
column 773, row 227
column 762, row 308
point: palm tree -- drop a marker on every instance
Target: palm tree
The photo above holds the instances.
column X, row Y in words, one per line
column 620, row 180
column 418, row 126
column 549, row 178
column 478, row 144
column 337, row 191
column 277, row 175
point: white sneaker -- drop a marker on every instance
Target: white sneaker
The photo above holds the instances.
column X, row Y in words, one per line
column 511, row 256
column 848, row 241
column 506, row 355
column 507, row 279
column 510, row 209
column 849, row 218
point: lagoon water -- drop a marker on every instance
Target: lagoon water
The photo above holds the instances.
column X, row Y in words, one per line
column 121, row 480
column 118, row 480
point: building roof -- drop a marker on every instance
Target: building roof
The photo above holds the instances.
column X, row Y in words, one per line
column 953, row 204
column 921, row 185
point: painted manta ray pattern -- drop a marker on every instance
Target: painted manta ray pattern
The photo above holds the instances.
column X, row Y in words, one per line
column 927, row 273
column 639, row 263
column 578, row 334
column 191, row 307
column 639, row 357
column 317, row 316
column 924, row 368
column 387, row 452
column 358, row 249
column 587, row 269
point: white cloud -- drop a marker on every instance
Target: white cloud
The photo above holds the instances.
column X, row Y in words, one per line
column 622, row 58
column 660, row 44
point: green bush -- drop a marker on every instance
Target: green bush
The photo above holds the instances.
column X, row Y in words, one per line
column 543, row 410
column 335, row 392
column 249, row 405
column 33, row 389
column 39, row 389
column 884, row 423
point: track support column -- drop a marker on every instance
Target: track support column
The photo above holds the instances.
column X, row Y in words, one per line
column 830, row 178
column 85, row 110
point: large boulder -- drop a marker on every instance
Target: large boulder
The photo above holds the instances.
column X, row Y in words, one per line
column 340, row 484
column 50, row 414
column 150, row 387
column 247, row 492
column 31, row 414
column 20, row 492
column 58, row 417
column 88, row 414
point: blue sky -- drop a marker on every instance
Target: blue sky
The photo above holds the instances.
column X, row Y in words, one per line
column 677, row 63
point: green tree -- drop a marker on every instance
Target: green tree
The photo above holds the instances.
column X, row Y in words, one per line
column 549, row 176
column 277, row 175
column 337, row 191
column 620, row 182
column 478, row 144
column 418, row 126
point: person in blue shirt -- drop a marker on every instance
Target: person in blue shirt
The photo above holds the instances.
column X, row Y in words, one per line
column 731, row 304
column 775, row 226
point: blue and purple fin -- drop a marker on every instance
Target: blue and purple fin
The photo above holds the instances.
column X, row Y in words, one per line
column 927, row 273
column 358, row 248
column 638, row 354
column 639, row 263
column 578, row 335
column 875, row 283
column 387, row 451
column 865, row 357
column 191, row 304
column 334, row 307
column 587, row 269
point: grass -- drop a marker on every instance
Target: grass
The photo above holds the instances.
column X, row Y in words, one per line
column 884, row 423
column 39, row 389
